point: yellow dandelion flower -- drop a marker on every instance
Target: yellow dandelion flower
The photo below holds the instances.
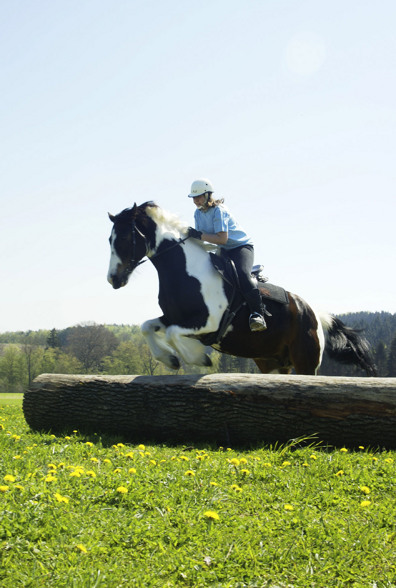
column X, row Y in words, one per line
column 81, row 548
column 243, row 460
column 305, row 464
column 117, row 471
column 313, row 456
column 4, row 488
column 344, row 450
column 211, row 515
column 52, row 466
column 235, row 462
column 130, row 455
column 90, row 473
column 141, row 447
column 189, row 473
column 106, row 460
column 388, row 460
column 213, row 483
column 132, row 471
column 365, row 503
column 59, row 498
column 286, row 463
column 9, row 478
column 94, row 460
column 339, row 473
column 184, row 458
column 245, row 472
column 50, row 478
column 361, row 447
column 365, row 489
column 19, row 487
column 89, row 443
column 67, row 438
column 236, row 488
column 75, row 474
column 122, row 490
column 17, row 457
column 288, row 507
column 153, row 462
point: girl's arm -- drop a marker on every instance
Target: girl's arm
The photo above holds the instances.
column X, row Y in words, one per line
column 220, row 238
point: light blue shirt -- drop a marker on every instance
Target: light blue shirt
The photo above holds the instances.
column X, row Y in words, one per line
column 218, row 218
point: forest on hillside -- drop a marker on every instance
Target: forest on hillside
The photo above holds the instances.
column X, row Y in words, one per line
column 122, row 349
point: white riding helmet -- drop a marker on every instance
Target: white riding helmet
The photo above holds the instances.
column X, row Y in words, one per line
column 200, row 187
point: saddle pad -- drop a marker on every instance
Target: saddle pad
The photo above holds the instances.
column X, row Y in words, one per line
column 272, row 292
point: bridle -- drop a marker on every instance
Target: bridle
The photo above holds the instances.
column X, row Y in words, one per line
column 132, row 264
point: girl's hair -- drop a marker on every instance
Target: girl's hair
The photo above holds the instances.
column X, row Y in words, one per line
column 212, row 202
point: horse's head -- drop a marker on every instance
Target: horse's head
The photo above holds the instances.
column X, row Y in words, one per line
column 128, row 242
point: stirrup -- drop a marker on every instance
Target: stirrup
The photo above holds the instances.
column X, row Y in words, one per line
column 257, row 322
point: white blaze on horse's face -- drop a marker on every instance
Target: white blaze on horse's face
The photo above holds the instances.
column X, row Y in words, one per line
column 115, row 261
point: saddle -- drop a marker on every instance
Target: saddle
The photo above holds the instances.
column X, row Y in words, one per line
column 226, row 268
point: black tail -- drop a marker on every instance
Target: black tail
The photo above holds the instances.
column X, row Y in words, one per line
column 347, row 345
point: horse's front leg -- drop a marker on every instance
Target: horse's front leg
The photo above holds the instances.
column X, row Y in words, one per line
column 155, row 333
column 190, row 350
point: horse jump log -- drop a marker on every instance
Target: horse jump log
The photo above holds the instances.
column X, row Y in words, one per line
column 224, row 408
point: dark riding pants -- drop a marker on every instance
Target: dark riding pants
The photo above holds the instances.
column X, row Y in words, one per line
column 243, row 258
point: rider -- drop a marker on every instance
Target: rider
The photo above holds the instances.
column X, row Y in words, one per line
column 215, row 224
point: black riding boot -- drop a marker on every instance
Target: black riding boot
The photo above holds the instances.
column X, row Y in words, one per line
column 257, row 310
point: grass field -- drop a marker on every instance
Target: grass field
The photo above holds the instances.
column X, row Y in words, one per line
column 11, row 399
column 85, row 512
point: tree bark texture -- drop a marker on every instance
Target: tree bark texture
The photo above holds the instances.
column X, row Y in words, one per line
column 229, row 409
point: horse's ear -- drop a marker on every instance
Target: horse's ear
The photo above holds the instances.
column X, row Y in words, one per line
column 111, row 217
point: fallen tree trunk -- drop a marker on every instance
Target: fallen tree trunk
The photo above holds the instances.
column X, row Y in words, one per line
column 223, row 408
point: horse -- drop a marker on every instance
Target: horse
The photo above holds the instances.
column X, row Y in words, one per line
column 195, row 299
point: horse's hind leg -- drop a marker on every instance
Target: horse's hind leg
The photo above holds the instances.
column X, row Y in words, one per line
column 154, row 331
column 271, row 366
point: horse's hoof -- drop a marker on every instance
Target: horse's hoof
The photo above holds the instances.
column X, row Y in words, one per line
column 174, row 362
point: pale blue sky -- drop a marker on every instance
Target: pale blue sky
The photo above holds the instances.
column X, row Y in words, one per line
column 287, row 106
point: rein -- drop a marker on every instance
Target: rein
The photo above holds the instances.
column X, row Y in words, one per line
column 134, row 230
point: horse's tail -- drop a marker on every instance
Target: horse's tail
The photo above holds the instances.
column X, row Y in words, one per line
column 347, row 345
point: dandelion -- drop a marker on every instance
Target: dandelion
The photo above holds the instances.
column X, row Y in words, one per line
column 288, row 507
column 50, row 478
column 132, row 470
column 245, row 472
column 82, row 548
column 153, row 462
column 130, row 455
column 122, row 490
column 75, row 474
column 211, row 515
column 213, row 483
column 59, row 498
column 361, row 447
column 120, row 445
column 388, row 460
column 141, row 447
column 90, row 473
column 305, row 464
column 4, row 488
column 89, row 443
column 106, row 460
column 9, row 478
column 235, row 462
column 339, row 473
column 313, row 456
column 117, row 471
column 189, row 473
column 236, row 488
column 52, row 466
column 365, row 503
column 17, row 457
column 286, row 463
column 365, row 489
column 243, row 460
column 94, row 460
column 344, row 450
column 183, row 458
column 19, row 487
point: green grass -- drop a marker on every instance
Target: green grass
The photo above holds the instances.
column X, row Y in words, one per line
column 88, row 512
column 7, row 399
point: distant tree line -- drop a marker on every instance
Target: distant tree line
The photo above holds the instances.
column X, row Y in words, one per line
column 121, row 349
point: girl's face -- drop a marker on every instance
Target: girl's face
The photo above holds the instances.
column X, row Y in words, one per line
column 200, row 201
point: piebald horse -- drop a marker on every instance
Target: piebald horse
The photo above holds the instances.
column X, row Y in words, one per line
column 194, row 298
